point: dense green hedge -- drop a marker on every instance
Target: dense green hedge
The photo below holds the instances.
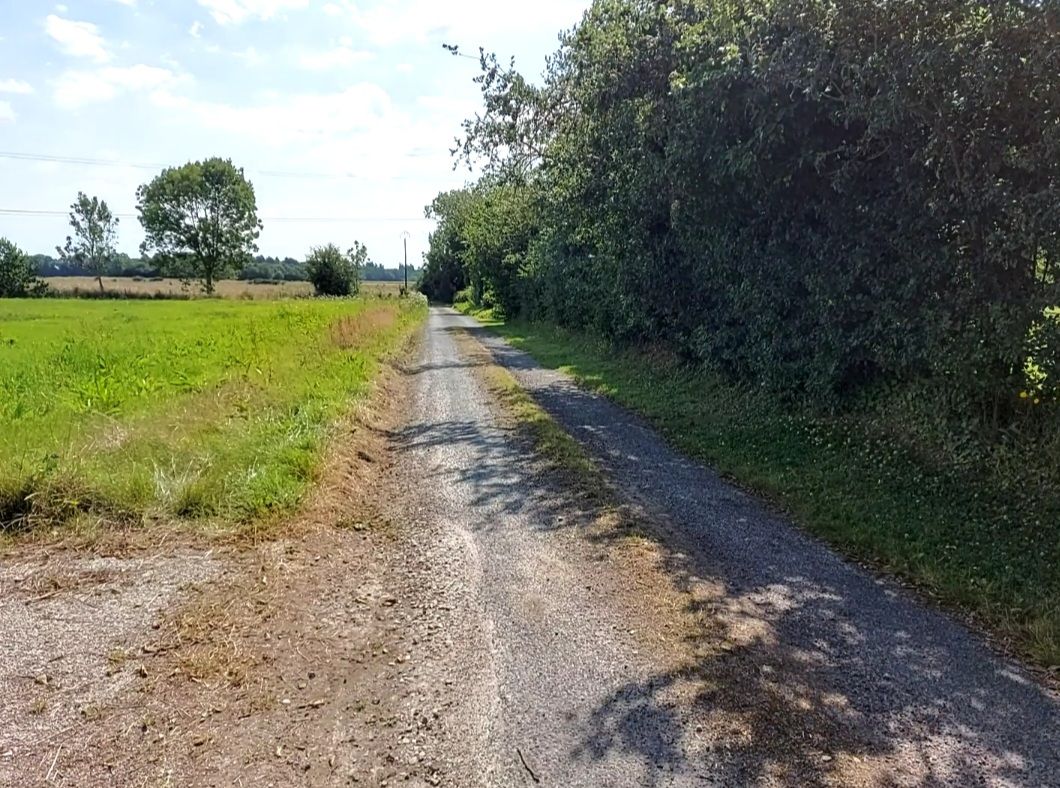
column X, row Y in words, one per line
column 817, row 196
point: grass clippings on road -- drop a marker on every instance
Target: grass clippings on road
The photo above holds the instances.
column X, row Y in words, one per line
column 715, row 664
column 951, row 537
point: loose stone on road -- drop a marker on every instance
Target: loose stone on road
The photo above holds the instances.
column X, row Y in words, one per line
column 724, row 648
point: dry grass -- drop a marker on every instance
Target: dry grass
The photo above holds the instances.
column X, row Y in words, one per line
column 146, row 287
column 225, row 289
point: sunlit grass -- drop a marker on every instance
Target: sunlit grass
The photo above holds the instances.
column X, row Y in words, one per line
column 201, row 409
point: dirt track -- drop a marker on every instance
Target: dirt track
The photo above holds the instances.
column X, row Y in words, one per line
column 787, row 665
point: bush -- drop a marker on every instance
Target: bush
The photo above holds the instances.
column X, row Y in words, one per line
column 881, row 208
column 332, row 272
column 17, row 276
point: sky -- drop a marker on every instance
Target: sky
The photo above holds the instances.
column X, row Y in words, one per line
column 342, row 110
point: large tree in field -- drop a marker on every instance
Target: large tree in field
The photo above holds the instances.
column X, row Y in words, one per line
column 201, row 220
column 95, row 231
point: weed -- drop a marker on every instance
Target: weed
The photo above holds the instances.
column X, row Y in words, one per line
column 205, row 410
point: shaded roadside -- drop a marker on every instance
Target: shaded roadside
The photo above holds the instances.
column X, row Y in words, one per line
column 806, row 668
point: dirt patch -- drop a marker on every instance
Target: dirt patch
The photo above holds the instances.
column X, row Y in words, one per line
column 275, row 658
column 73, row 630
column 287, row 667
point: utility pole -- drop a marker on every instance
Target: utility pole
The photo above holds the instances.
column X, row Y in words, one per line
column 405, row 241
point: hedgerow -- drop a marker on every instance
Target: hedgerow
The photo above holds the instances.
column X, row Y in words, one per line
column 813, row 195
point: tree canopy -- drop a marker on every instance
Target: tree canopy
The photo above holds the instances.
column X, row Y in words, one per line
column 17, row 277
column 335, row 273
column 91, row 246
column 811, row 195
column 200, row 220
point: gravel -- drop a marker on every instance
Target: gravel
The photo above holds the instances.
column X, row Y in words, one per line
column 835, row 674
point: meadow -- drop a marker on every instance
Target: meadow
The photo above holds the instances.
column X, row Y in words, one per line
column 211, row 410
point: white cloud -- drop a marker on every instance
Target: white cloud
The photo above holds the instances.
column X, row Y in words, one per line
column 15, row 86
column 235, row 12
column 130, row 3
column 79, row 39
column 331, row 59
column 195, row 30
column 75, row 89
column 298, row 118
column 7, row 114
column 471, row 22
column 251, row 56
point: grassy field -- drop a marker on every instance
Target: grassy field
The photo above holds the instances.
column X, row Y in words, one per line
column 230, row 288
column 983, row 543
column 206, row 409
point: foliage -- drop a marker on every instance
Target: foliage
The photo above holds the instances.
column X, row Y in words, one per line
column 374, row 272
column 816, row 196
column 200, row 219
column 119, row 265
column 273, row 268
column 199, row 409
column 837, row 222
column 445, row 267
column 481, row 243
column 17, row 279
column 334, row 273
column 91, row 247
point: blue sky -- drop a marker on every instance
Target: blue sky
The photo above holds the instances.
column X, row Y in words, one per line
column 358, row 96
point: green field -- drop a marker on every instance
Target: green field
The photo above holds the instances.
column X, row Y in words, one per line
column 984, row 538
column 208, row 410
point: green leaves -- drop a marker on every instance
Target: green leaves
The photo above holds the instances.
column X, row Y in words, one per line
column 17, row 277
column 92, row 246
column 200, row 220
column 334, row 273
column 817, row 196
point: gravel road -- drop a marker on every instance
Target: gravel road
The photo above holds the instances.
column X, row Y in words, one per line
column 782, row 665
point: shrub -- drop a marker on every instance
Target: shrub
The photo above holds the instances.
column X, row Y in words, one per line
column 818, row 197
column 334, row 273
column 17, row 277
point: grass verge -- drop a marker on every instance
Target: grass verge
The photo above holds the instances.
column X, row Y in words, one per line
column 214, row 411
column 967, row 540
column 562, row 452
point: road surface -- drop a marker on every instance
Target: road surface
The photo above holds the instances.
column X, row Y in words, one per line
column 731, row 649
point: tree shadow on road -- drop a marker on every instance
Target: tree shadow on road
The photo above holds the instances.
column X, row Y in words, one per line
column 798, row 668
column 801, row 668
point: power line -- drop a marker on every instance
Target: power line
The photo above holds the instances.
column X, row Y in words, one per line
column 31, row 213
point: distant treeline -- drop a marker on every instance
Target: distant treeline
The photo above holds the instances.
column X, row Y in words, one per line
column 276, row 269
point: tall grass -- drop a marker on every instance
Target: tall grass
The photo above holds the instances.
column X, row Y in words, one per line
column 200, row 409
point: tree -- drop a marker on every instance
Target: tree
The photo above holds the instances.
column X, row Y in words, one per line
column 95, row 231
column 334, row 273
column 201, row 220
column 17, row 279
column 882, row 207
